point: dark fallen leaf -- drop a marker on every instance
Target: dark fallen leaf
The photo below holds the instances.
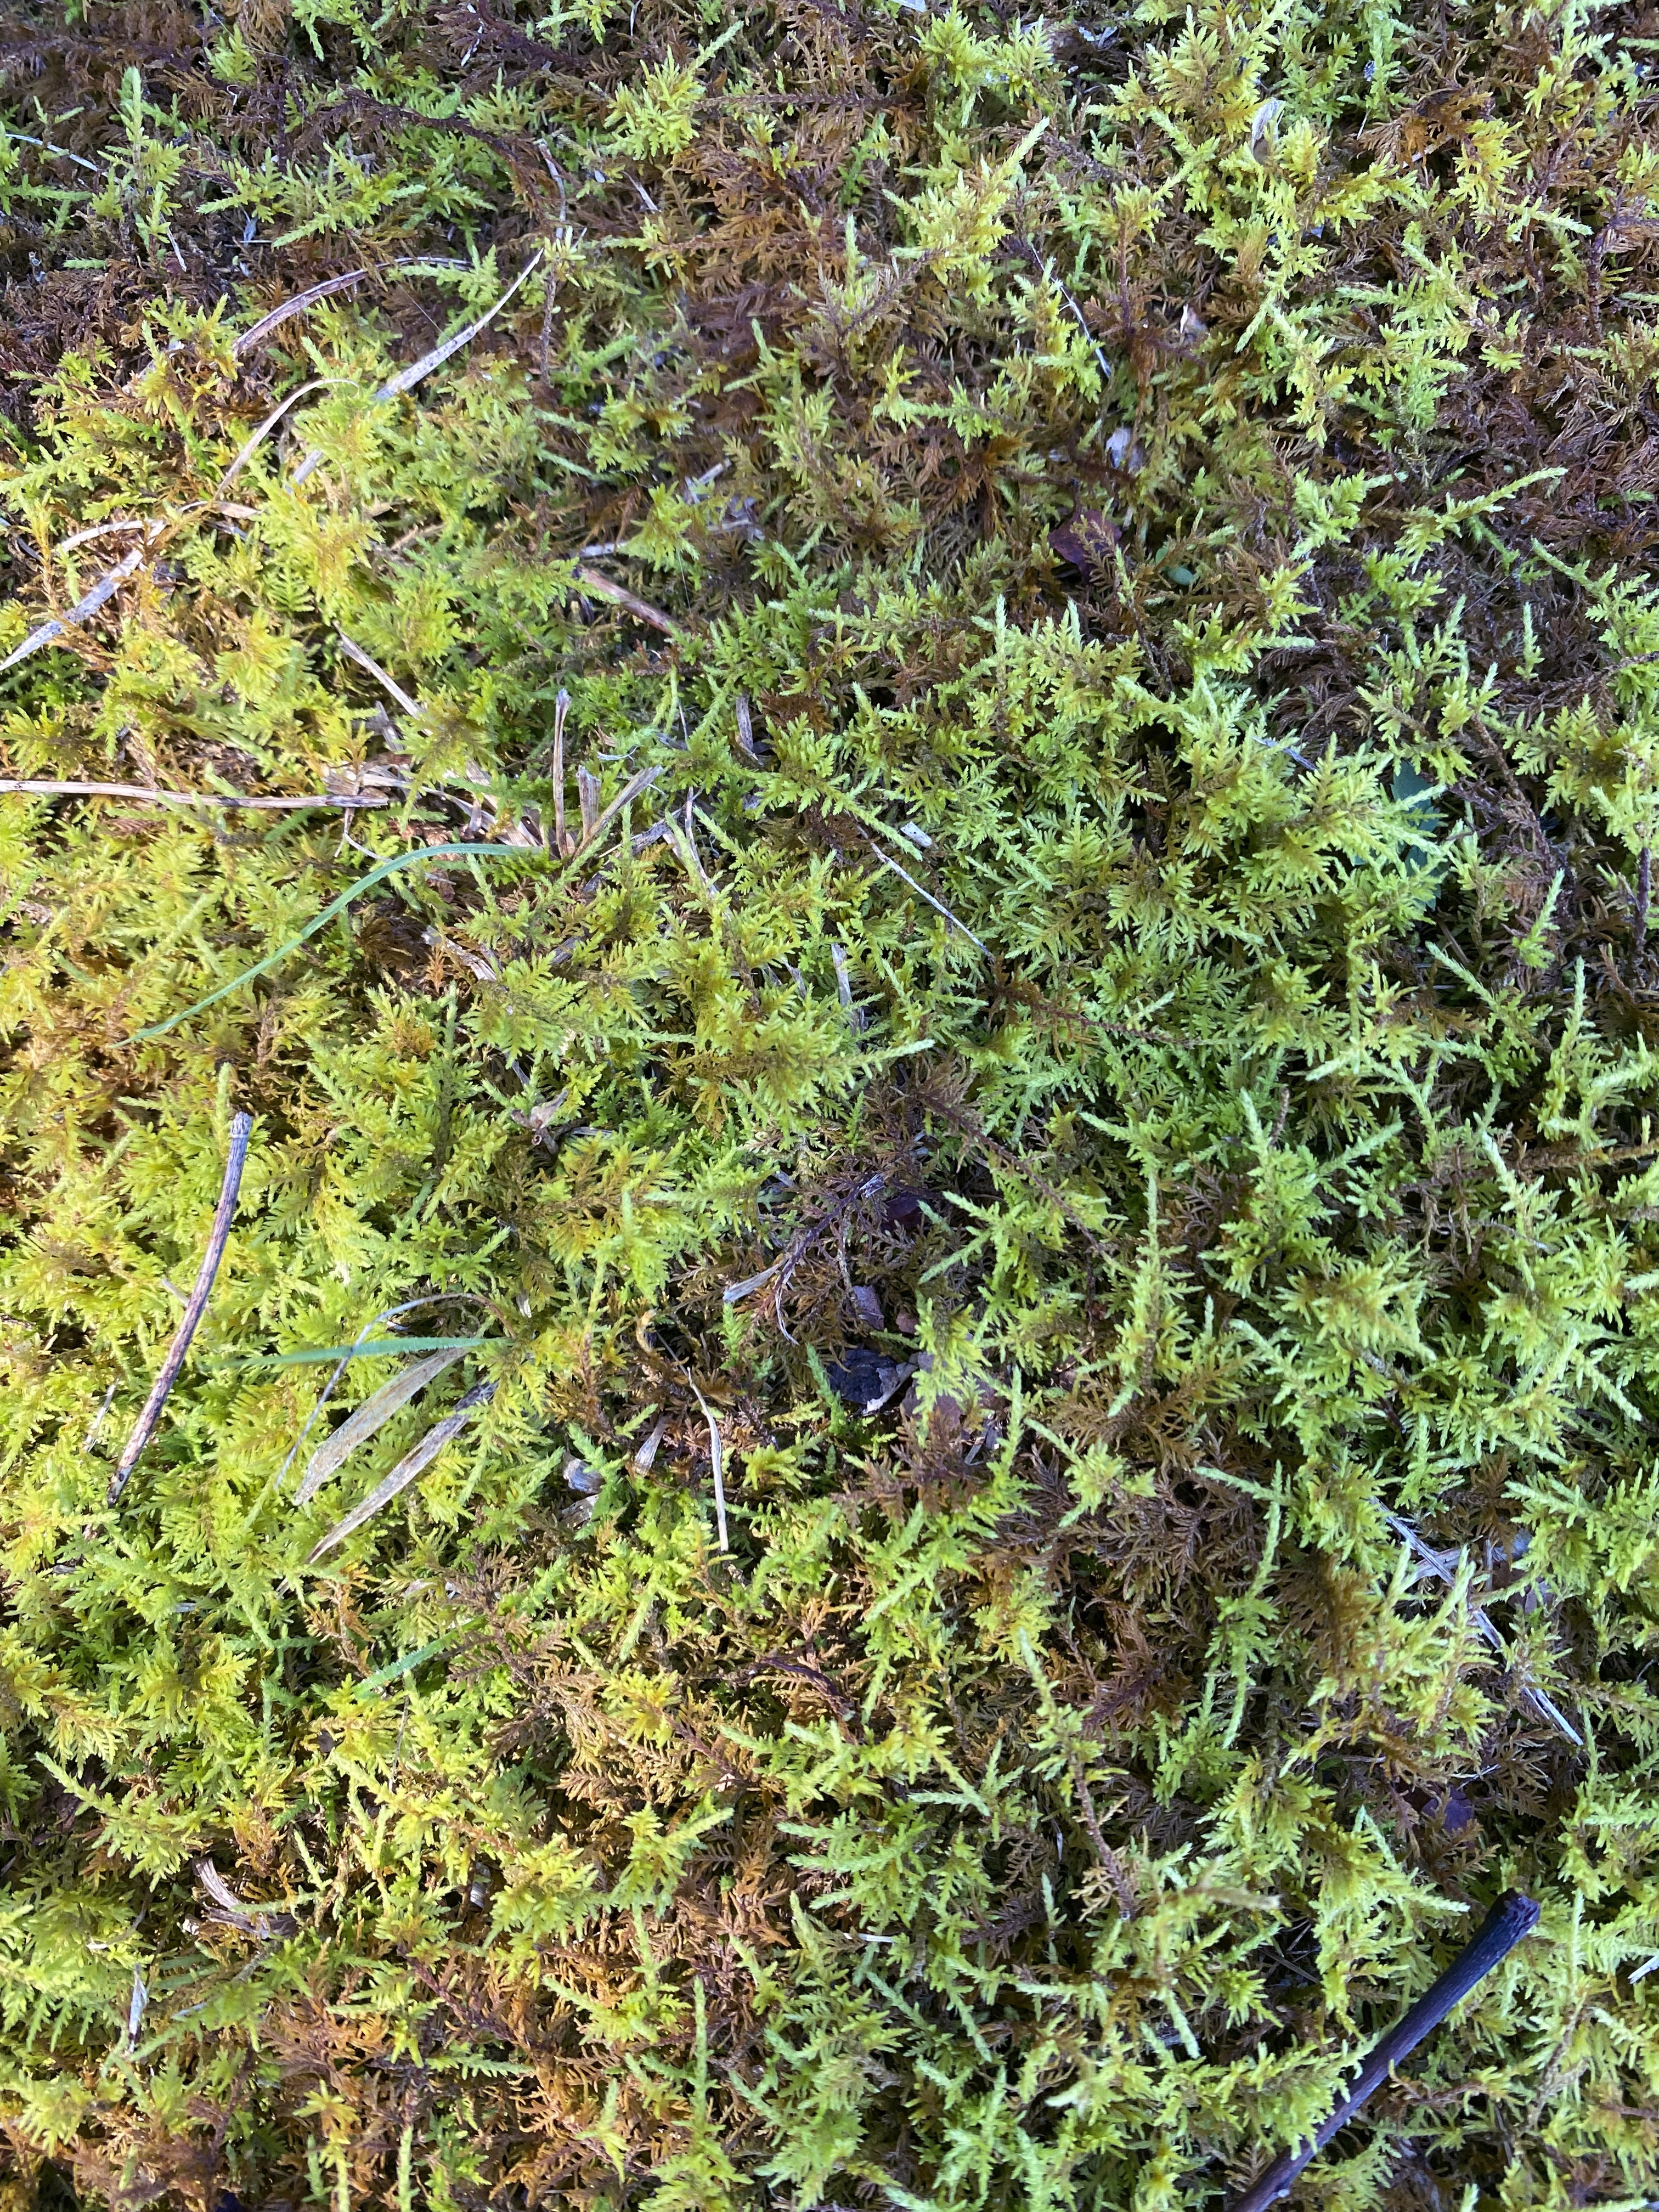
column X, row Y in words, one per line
column 1085, row 541
column 902, row 1209
column 1455, row 1812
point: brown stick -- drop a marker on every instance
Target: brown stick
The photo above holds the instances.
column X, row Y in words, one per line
column 241, row 1125
column 976, row 1133
column 1513, row 1917
column 139, row 791
column 592, row 580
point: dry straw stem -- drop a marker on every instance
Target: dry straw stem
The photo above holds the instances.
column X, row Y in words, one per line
column 84, row 608
column 407, row 379
column 938, row 905
column 716, row 1459
column 388, row 684
column 241, row 1125
column 108, row 584
column 37, row 789
column 151, row 534
column 591, row 580
column 325, row 290
column 1439, row 1564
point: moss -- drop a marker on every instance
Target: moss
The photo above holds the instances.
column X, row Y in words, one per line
column 1046, row 628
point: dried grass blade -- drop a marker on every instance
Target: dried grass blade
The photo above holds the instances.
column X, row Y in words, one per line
column 629, row 792
column 412, row 1464
column 297, row 306
column 561, row 711
column 717, row 1462
column 370, row 666
column 38, row 789
column 734, row 1293
column 587, row 798
column 326, row 290
column 105, row 589
column 1442, row 1564
column 745, row 730
column 647, row 1453
column 406, row 378
column 264, row 1920
column 218, row 1889
column 591, row 580
column 369, row 1419
column 888, row 861
column 224, row 1214
column 258, row 437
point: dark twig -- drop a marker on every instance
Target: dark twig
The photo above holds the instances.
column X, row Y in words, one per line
column 240, row 1125
column 1513, row 1917
column 1643, row 893
column 976, row 1133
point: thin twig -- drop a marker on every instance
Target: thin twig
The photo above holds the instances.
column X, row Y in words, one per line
column 591, row 580
column 240, row 1126
column 36, row 789
column 1513, row 1917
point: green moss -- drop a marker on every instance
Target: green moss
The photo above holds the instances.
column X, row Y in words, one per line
column 1112, row 556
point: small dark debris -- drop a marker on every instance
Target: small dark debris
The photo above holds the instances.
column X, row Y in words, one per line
column 902, row 1209
column 1084, row 543
column 865, row 1379
column 1455, row 1812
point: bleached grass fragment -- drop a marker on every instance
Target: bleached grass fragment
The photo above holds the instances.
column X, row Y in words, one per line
column 412, row 1464
column 369, row 1419
column 407, row 379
